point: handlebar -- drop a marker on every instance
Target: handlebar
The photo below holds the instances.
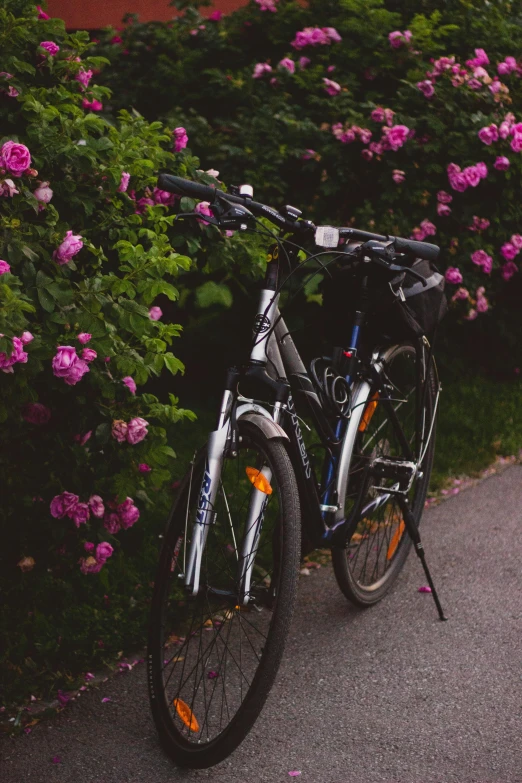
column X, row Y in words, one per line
column 185, row 187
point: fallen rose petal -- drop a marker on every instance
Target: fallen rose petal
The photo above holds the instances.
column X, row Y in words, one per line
column 212, row 675
column 83, row 688
column 294, row 773
column 89, row 676
column 27, row 731
column 56, row 760
column 106, row 699
column 424, row 589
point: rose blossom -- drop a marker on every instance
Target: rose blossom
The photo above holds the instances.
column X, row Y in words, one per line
column 480, row 58
column 144, row 468
column 481, row 258
column 88, row 546
column 7, row 187
column 516, row 142
column 377, row 114
column 501, row 163
column 398, row 175
column 130, row 384
column 63, row 504
column 137, row 430
column 509, row 251
column 461, row 293
column 36, row 413
column 4, row 267
column 128, row 513
column 111, row 522
column 308, row 155
column 453, row 275
column 80, row 514
column 89, row 354
column 260, row 69
column 84, row 77
column 516, row 240
column 304, row 62
column 41, row 13
column 103, row 551
column 489, row 134
column 50, row 47
column 163, row 197
column 180, row 138
column 90, row 565
column 94, row 105
column 443, row 210
column 398, row 39
column 331, row 87
column 482, row 304
column 124, row 182
column 508, row 270
column 71, row 245
column 155, row 313
column 96, row 506
column 43, row 193
column 267, row 5
column 367, row 154
column 15, row 157
column 65, row 357
column 397, row 136
column 426, row 87
column 119, row 430
column 84, row 337
column 287, row 63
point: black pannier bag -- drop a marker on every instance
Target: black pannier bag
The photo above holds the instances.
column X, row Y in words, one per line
column 400, row 308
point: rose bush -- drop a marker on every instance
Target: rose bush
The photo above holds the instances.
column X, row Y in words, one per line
column 88, row 244
column 378, row 113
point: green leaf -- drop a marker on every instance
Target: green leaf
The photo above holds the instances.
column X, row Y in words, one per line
column 46, row 301
column 172, row 364
column 211, row 293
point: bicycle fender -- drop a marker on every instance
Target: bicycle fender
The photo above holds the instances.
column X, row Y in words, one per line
column 267, row 426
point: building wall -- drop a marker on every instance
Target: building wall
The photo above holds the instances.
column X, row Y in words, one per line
column 93, row 14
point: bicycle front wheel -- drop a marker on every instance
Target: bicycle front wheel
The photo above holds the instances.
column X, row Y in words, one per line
column 213, row 657
column 377, row 543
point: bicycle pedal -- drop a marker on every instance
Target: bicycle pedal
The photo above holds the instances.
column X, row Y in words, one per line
column 401, row 470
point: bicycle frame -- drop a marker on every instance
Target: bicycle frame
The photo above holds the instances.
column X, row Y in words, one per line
column 322, row 514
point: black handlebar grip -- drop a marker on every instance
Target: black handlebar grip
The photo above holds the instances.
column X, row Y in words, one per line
column 420, row 249
column 185, row 187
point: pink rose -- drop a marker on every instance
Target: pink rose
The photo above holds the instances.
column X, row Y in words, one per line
column 4, row 267
column 461, row 293
column 308, row 155
column 288, row 64
column 124, row 182
column 482, row 169
column 347, row 137
column 516, row 142
column 509, row 251
column 71, row 245
column 84, row 337
column 130, row 384
column 88, row 546
column 84, row 77
column 65, row 357
column 481, row 258
column 504, row 130
column 216, row 16
column 36, row 413
column 508, row 270
column 443, row 210
column 480, row 58
column 304, row 62
column 119, row 430
column 180, row 139
column 453, row 275
column 489, row 134
column 90, row 565
column 377, row 114
column 155, row 313
column 80, row 514
column 144, row 468
column 43, row 193
column 50, row 47
column 137, row 430
column 472, row 176
column 267, row 5
column 82, row 439
column 163, row 197
column 96, row 506
column 429, row 228
column 397, row 136
column 367, row 154
column 7, row 187
column 111, row 522
column 496, row 86
column 15, row 157
column 128, row 513
column 398, row 39
column 444, row 198
column 398, row 176
column 89, row 355
column 41, row 13
column 516, row 240
column 57, row 507
column 260, row 69
column 94, row 105
column 482, row 304
column 501, row 163
column 103, row 551
column 331, row 87
column 459, row 182
column 426, row 87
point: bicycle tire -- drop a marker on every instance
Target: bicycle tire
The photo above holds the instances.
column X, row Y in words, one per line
column 184, row 749
column 343, row 559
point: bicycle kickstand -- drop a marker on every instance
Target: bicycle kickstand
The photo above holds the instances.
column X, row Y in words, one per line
column 413, row 531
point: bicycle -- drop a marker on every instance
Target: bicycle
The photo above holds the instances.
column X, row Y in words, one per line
column 228, row 570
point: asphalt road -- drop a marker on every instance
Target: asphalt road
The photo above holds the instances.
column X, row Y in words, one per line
column 388, row 695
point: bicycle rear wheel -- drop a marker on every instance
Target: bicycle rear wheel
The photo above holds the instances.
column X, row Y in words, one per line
column 213, row 658
column 377, row 543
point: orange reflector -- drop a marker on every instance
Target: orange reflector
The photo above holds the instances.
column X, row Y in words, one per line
column 186, row 714
column 394, row 543
column 369, row 411
column 259, row 481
